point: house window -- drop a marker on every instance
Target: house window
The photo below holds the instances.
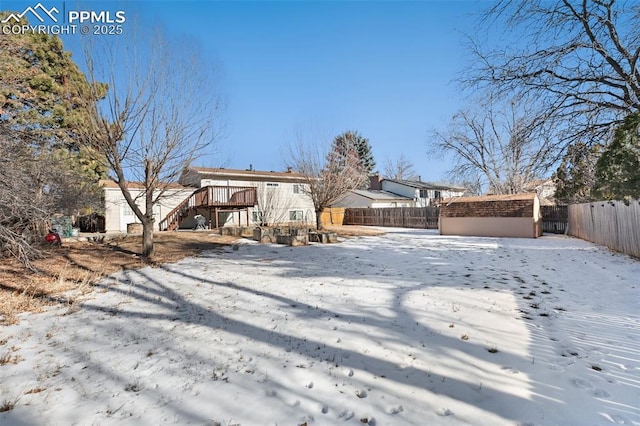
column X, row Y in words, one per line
column 424, row 193
column 296, row 215
column 437, row 194
column 125, row 209
column 271, row 184
column 297, row 189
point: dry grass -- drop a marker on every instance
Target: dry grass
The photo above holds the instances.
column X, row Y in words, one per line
column 68, row 272
column 7, row 405
column 354, row 231
column 65, row 273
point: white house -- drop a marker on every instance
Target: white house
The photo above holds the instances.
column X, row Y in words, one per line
column 225, row 197
column 424, row 194
column 281, row 197
column 372, row 198
column 545, row 188
column 118, row 214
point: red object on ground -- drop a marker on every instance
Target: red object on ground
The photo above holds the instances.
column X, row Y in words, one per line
column 53, row 238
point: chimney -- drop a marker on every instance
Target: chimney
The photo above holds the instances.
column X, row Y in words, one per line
column 375, row 182
column 250, row 167
column 288, row 169
column 419, row 179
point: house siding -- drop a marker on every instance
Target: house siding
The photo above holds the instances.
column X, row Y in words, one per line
column 413, row 191
column 397, row 188
column 114, row 205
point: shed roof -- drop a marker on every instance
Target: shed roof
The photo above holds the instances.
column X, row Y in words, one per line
column 516, row 205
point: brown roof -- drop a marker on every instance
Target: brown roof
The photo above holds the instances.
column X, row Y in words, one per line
column 107, row 183
column 246, row 173
column 516, row 205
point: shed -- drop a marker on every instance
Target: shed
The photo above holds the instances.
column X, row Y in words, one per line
column 492, row 216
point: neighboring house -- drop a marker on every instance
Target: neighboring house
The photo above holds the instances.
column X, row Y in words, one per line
column 545, row 188
column 225, row 197
column 118, row 214
column 372, row 198
column 492, row 216
column 424, row 194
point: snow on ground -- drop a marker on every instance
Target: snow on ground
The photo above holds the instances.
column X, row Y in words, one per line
column 409, row 328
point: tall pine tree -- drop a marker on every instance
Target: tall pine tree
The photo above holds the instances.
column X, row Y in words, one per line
column 576, row 176
column 43, row 170
column 618, row 169
column 354, row 140
column 44, row 97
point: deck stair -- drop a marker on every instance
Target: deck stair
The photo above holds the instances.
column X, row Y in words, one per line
column 210, row 197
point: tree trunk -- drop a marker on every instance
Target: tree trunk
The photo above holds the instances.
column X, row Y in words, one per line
column 148, row 219
column 319, row 220
column 147, row 239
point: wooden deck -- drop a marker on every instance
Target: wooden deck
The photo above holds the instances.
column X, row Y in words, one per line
column 213, row 197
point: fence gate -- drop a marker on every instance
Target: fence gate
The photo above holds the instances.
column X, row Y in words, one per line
column 555, row 219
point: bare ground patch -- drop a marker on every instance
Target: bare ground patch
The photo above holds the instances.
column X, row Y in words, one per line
column 65, row 273
column 354, row 231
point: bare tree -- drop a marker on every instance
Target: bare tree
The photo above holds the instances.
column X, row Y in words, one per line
column 502, row 149
column 24, row 202
column 399, row 169
column 160, row 111
column 576, row 59
column 272, row 206
column 328, row 174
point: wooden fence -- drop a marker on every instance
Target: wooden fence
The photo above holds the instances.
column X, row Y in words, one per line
column 615, row 224
column 332, row 216
column 554, row 219
column 401, row 217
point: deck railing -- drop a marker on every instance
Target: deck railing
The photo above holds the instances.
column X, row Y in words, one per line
column 210, row 196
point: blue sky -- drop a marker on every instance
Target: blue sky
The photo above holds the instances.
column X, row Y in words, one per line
column 384, row 69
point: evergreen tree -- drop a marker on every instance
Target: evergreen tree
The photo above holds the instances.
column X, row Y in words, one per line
column 618, row 169
column 353, row 140
column 44, row 98
column 575, row 177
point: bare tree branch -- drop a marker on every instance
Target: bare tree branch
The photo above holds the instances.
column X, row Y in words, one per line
column 497, row 149
column 579, row 59
column 328, row 174
column 399, row 169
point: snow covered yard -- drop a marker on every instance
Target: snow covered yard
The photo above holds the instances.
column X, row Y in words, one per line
column 409, row 328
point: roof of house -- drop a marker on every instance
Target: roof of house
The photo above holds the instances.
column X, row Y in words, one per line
column 426, row 185
column 531, row 186
column 254, row 174
column 515, row 205
column 380, row 195
column 109, row 184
